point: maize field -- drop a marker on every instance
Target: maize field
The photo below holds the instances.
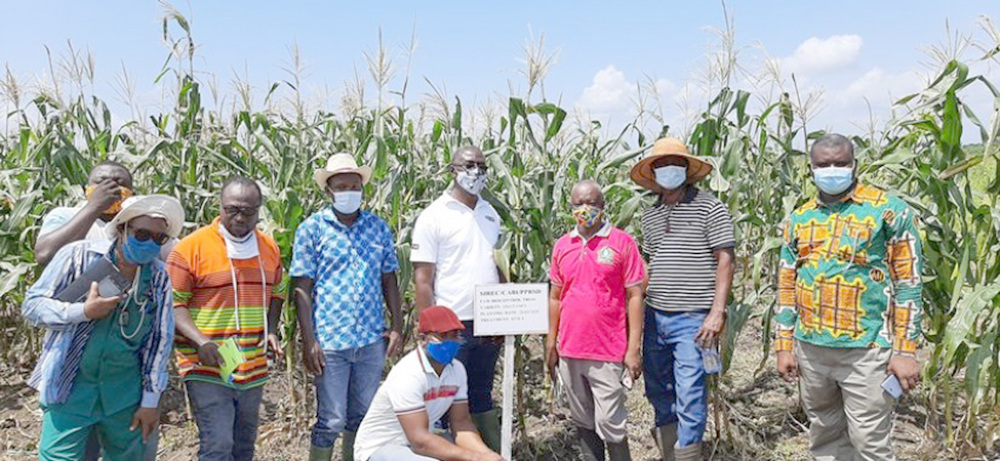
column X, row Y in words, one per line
column 536, row 151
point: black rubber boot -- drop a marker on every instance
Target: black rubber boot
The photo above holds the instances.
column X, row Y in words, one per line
column 619, row 451
column 590, row 445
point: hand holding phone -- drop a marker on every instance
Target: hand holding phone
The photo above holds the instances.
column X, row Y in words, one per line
column 892, row 386
column 627, row 380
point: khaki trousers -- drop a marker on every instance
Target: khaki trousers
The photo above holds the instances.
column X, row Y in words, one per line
column 850, row 415
column 596, row 396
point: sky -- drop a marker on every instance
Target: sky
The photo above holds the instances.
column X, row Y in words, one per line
column 856, row 55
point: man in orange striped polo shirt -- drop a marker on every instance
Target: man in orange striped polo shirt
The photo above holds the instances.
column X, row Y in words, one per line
column 225, row 277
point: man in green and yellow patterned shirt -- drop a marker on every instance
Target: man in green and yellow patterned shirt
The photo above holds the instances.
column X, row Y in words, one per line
column 849, row 306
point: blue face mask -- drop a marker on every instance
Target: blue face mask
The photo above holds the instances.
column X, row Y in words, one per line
column 140, row 252
column 443, row 352
column 833, row 180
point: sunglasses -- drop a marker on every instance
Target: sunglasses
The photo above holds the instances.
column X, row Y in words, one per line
column 248, row 211
column 142, row 235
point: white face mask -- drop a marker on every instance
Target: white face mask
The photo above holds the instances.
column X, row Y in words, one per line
column 347, row 202
column 239, row 248
column 671, row 177
column 470, row 182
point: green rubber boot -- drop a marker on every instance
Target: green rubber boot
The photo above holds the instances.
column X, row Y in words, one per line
column 320, row 454
column 348, row 447
column 589, row 444
column 689, row 453
column 666, row 438
column 619, row 451
column 488, row 424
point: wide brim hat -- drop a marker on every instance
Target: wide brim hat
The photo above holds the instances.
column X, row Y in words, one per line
column 338, row 164
column 643, row 174
column 155, row 206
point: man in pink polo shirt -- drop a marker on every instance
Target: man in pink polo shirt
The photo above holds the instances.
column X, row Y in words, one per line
column 595, row 324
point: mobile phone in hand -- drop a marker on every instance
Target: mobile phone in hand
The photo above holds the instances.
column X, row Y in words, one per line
column 627, row 380
column 892, row 386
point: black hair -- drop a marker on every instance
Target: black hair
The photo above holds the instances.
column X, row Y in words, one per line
column 834, row 141
column 244, row 181
column 113, row 164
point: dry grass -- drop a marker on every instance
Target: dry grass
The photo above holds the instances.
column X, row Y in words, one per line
column 759, row 414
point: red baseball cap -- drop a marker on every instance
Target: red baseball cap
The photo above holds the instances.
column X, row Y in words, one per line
column 439, row 319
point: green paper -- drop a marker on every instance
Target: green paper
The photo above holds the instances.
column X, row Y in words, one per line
column 232, row 357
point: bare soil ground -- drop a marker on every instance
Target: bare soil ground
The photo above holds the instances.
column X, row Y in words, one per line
column 756, row 416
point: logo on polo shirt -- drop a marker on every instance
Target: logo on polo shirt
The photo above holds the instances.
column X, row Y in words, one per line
column 440, row 393
column 490, row 219
column 606, row 255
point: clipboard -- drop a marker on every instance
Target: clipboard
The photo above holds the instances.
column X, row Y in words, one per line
column 110, row 282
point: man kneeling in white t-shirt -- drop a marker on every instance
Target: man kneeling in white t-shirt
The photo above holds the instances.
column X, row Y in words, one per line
column 425, row 385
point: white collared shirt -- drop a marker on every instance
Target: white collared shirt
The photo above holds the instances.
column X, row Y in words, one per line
column 460, row 242
column 411, row 387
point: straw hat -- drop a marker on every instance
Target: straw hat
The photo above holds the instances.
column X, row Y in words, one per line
column 341, row 163
column 642, row 172
column 156, row 206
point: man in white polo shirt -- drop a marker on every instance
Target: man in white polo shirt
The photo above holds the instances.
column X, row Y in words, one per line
column 452, row 252
column 425, row 385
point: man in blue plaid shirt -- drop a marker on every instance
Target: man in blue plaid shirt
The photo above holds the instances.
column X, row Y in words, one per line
column 343, row 274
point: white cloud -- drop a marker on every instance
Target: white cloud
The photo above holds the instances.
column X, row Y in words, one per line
column 665, row 87
column 608, row 92
column 823, row 54
column 877, row 85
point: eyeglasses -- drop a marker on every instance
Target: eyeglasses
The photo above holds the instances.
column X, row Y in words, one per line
column 142, row 235
column 248, row 211
column 472, row 166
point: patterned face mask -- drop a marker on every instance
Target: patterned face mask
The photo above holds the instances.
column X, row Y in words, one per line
column 114, row 208
column 587, row 216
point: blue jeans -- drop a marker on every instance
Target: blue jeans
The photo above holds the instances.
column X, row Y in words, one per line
column 227, row 420
column 479, row 356
column 345, row 390
column 675, row 376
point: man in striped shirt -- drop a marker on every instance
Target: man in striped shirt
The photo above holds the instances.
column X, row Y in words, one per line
column 688, row 242
column 225, row 278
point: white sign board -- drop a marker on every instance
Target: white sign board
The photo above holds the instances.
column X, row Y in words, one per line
column 507, row 310
column 511, row 309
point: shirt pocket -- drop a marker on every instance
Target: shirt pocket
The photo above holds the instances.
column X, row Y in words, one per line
column 810, row 238
column 856, row 240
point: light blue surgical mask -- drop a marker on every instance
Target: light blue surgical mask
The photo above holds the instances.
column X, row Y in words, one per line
column 347, row 202
column 140, row 252
column 834, row 180
column 671, row 177
column 444, row 352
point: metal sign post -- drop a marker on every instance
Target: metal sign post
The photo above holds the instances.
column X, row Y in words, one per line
column 509, row 310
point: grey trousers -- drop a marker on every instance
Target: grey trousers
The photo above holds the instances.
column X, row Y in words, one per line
column 850, row 415
column 596, row 396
